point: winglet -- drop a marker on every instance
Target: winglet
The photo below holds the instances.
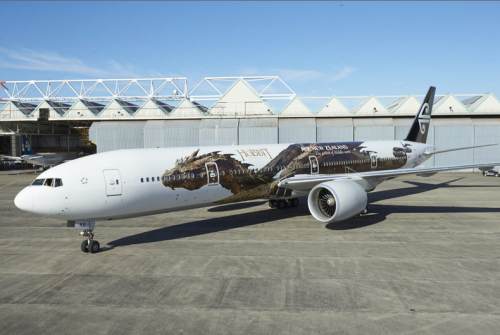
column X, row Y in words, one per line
column 420, row 127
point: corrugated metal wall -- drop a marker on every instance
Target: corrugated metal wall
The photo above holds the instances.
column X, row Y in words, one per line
column 486, row 131
column 373, row 129
column 450, row 134
column 103, row 134
column 129, row 135
column 258, row 131
column 219, row 132
column 153, row 134
column 401, row 128
column 297, row 130
column 334, row 130
column 444, row 134
column 181, row 133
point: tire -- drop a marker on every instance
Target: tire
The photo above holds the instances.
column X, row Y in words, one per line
column 85, row 246
column 288, row 203
column 272, row 203
column 280, row 204
column 94, row 247
column 484, row 174
column 295, row 202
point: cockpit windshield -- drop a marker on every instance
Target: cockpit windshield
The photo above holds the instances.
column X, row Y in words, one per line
column 50, row 182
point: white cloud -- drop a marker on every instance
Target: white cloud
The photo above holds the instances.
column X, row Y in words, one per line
column 47, row 61
column 26, row 59
column 300, row 76
column 346, row 71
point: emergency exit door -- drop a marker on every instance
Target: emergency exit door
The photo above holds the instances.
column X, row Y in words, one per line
column 113, row 182
column 212, row 173
column 313, row 160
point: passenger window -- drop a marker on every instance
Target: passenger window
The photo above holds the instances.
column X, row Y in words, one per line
column 37, row 182
column 58, row 183
column 157, row 178
column 142, row 180
column 117, row 182
column 48, row 182
column 147, row 179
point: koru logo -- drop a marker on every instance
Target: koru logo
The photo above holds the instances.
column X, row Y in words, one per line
column 27, row 146
column 424, row 118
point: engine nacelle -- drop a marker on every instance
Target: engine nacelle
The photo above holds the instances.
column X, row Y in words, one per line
column 336, row 201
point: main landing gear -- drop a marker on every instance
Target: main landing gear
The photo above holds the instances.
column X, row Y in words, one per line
column 280, row 204
column 89, row 245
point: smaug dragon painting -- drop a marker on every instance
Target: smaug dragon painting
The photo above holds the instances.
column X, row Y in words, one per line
column 246, row 181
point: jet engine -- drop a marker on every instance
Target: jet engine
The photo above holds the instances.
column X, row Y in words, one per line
column 335, row 201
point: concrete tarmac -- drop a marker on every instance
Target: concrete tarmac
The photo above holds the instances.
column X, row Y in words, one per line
column 426, row 260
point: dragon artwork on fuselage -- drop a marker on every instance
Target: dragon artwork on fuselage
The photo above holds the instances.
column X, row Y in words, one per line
column 247, row 182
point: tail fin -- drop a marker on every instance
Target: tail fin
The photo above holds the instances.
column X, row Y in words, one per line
column 420, row 127
column 27, row 146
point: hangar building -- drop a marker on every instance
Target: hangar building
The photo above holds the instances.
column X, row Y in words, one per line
column 161, row 112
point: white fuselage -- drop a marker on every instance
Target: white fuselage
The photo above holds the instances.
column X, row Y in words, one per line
column 137, row 182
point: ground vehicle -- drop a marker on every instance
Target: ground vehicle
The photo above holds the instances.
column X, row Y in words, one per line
column 493, row 173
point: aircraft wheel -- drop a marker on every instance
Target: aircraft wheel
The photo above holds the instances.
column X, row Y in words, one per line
column 288, row 203
column 94, row 247
column 272, row 203
column 295, row 202
column 85, row 246
column 280, row 204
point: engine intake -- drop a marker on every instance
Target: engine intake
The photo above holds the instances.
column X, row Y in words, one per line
column 335, row 201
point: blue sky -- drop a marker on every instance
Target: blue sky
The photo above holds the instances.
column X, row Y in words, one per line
column 317, row 48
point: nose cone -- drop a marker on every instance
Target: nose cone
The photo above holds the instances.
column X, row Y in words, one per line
column 24, row 200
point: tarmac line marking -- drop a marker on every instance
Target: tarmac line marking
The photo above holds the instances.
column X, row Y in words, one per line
column 54, row 286
column 9, row 184
column 154, row 224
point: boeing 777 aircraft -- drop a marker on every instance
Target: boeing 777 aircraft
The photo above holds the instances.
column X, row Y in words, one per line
column 334, row 176
column 42, row 159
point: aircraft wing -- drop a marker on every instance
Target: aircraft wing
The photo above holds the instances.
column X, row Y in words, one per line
column 307, row 182
column 12, row 158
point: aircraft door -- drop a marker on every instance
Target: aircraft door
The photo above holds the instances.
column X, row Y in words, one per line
column 373, row 158
column 314, row 164
column 212, row 173
column 113, row 182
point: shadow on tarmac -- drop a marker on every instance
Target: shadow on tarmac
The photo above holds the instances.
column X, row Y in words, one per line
column 378, row 213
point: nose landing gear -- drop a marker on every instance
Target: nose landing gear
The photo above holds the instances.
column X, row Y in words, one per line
column 89, row 245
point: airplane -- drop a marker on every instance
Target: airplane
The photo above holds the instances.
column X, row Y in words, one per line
column 42, row 159
column 334, row 176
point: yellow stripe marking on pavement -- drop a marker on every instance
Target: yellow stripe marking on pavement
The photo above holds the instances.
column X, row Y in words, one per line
column 9, row 184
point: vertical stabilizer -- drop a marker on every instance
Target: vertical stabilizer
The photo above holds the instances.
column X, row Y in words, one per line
column 27, row 146
column 422, row 122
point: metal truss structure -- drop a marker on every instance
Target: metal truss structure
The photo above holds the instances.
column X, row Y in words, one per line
column 264, row 91
column 251, row 96
column 95, row 89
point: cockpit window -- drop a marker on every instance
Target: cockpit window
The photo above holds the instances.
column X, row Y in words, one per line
column 37, row 182
column 50, row 182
